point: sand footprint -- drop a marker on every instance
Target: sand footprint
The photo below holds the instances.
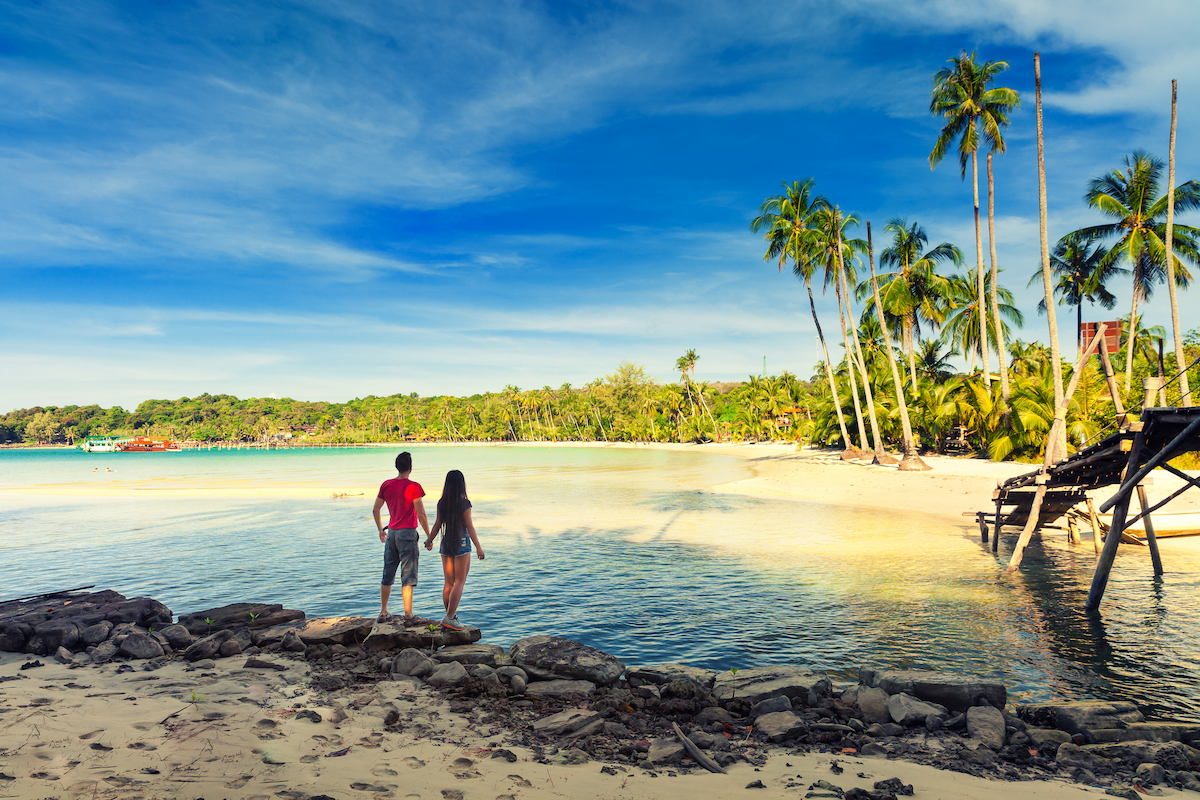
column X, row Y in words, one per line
column 368, row 787
column 519, row 781
column 382, row 771
column 308, row 759
column 238, row 783
column 92, row 735
column 413, row 763
column 463, row 768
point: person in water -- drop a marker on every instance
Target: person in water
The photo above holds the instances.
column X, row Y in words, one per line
column 405, row 509
column 458, row 534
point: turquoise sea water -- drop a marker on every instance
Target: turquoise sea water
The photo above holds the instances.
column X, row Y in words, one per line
column 626, row 550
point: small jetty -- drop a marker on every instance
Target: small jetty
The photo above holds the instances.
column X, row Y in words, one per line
column 1123, row 459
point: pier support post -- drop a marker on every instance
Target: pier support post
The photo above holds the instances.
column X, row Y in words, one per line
column 996, row 529
column 1113, row 540
column 1150, row 537
column 1096, row 535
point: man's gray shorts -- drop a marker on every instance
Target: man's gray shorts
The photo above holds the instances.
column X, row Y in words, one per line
column 400, row 550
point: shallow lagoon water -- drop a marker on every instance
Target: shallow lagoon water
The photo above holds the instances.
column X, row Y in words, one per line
column 626, row 550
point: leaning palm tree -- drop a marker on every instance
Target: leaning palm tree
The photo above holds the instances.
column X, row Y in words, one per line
column 786, row 222
column 913, row 291
column 972, row 112
column 1130, row 198
column 1080, row 273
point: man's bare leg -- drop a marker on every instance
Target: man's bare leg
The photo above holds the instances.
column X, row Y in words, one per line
column 406, row 592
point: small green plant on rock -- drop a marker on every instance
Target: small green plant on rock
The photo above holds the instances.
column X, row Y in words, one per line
column 209, row 621
column 733, row 671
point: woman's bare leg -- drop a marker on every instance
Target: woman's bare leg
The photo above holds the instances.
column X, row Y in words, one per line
column 448, row 581
column 459, row 566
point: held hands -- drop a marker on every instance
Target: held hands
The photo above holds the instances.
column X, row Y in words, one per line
column 429, row 544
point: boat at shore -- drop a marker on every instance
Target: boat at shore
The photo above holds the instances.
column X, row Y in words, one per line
column 144, row 444
column 99, row 444
column 1167, row 524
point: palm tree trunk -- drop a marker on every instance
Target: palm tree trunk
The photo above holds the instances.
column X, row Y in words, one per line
column 1186, row 399
column 912, row 352
column 880, row 456
column 1129, row 338
column 1060, row 446
column 911, row 460
column 862, row 431
column 1001, row 351
column 837, row 403
column 983, row 339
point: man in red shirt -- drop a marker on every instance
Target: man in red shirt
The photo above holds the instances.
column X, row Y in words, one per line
column 405, row 509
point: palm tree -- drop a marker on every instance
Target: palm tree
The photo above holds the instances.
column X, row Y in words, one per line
column 960, row 326
column 786, row 218
column 971, row 110
column 1080, row 273
column 933, row 363
column 1130, row 198
column 914, row 291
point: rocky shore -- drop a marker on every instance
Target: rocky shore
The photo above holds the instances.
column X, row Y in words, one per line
column 553, row 702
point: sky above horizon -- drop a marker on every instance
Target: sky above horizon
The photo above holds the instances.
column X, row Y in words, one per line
column 328, row 200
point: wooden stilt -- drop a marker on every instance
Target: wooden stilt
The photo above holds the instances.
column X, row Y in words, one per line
column 1150, row 538
column 1113, row 540
column 1072, row 530
column 1096, row 535
column 1112, row 386
column 996, row 528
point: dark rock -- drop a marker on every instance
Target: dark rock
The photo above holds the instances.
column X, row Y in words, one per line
column 568, row 659
column 259, row 663
column 239, row 615
column 770, row 706
column 565, row 722
column 895, row 786
column 448, row 675
column 1186, row 732
column 391, row 718
column 1151, row 774
column 517, row 685
column 95, row 634
column 1041, row 736
column 13, row 636
column 32, row 664
column 507, row 755
column 143, row 611
column 885, row 729
column 660, row 674
column 1080, row 715
column 1127, row 792
column 986, row 724
column 711, row 715
column 665, row 751
column 856, row 793
column 756, row 684
column 292, row 643
column 478, row 653
column 35, row 646
column 1172, row 755
column 177, row 636
column 956, row 722
column 779, row 725
column 1071, row 756
column 330, row 682
column 64, row 656
column 140, row 645
column 58, row 633
column 206, row 648
column 413, row 662
column 872, row 704
column 908, row 711
column 956, row 692
column 229, row 647
column 509, row 672
column 560, row 688
column 310, row 715
column 104, row 652
column 872, row 749
column 756, row 785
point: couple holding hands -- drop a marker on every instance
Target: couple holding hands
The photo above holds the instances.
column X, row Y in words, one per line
column 399, row 537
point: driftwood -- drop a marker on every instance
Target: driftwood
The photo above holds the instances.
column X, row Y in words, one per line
column 695, row 753
column 47, row 594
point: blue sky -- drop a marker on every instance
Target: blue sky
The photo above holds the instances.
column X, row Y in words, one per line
column 330, row 200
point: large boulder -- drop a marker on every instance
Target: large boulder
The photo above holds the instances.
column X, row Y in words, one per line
column 908, row 711
column 177, row 636
column 1186, row 732
column 448, row 675
column 955, row 692
column 58, row 633
column 104, row 652
column 414, row 663
column 568, row 659
column 872, row 705
column 142, row 611
column 1070, row 756
column 756, row 684
column 207, row 648
column 566, row 722
column 661, row 674
column 986, row 724
column 1081, row 715
column 140, row 645
column 780, row 725
column 14, row 635
column 1171, row 755
column 238, row 615
column 478, row 653
column 559, row 689
column 95, row 634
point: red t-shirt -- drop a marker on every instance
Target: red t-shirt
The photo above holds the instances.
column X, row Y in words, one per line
column 400, row 494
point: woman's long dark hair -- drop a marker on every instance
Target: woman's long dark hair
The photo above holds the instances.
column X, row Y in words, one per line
column 453, row 504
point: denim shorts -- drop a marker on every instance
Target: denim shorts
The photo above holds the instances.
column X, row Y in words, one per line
column 456, row 545
column 400, row 550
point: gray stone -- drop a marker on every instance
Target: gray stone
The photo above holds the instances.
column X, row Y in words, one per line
column 13, row 636
column 568, row 659
column 770, row 706
column 571, row 757
column 478, row 653
column 516, row 685
column 872, row 749
column 956, row 692
column 510, row 672
column 872, row 703
column 408, row 682
column 756, row 684
column 908, row 711
column 879, row 729
column 230, row 647
column 1151, row 774
column 659, row 674
column 238, row 615
column 177, row 636
column 1172, row 755
column 1147, row 731
column 779, row 725
column 104, row 652
column 413, row 662
column 708, row 716
column 205, row 663
column 559, row 688
column 141, row 645
column 64, row 656
column 565, row 722
column 481, row 671
column 95, row 634
column 207, row 648
column 665, row 751
column 986, row 724
column 1080, row 715
column 292, row 643
column 448, row 675
column 1071, row 756
column 35, row 646
column 1040, row 736
column 58, row 633
column 649, row 691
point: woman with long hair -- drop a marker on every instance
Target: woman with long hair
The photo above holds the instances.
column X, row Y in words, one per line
column 458, row 534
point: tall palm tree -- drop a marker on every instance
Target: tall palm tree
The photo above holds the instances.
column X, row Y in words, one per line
column 972, row 111
column 786, row 220
column 1080, row 273
column 1184, row 389
column 914, row 291
column 1130, row 198
column 960, row 328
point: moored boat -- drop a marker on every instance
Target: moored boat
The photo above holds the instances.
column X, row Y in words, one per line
column 144, row 444
column 1166, row 524
column 99, row 444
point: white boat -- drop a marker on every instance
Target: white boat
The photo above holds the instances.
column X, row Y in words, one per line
column 1166, row 524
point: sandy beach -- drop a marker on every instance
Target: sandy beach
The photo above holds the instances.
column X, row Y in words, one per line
column 98, row 732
